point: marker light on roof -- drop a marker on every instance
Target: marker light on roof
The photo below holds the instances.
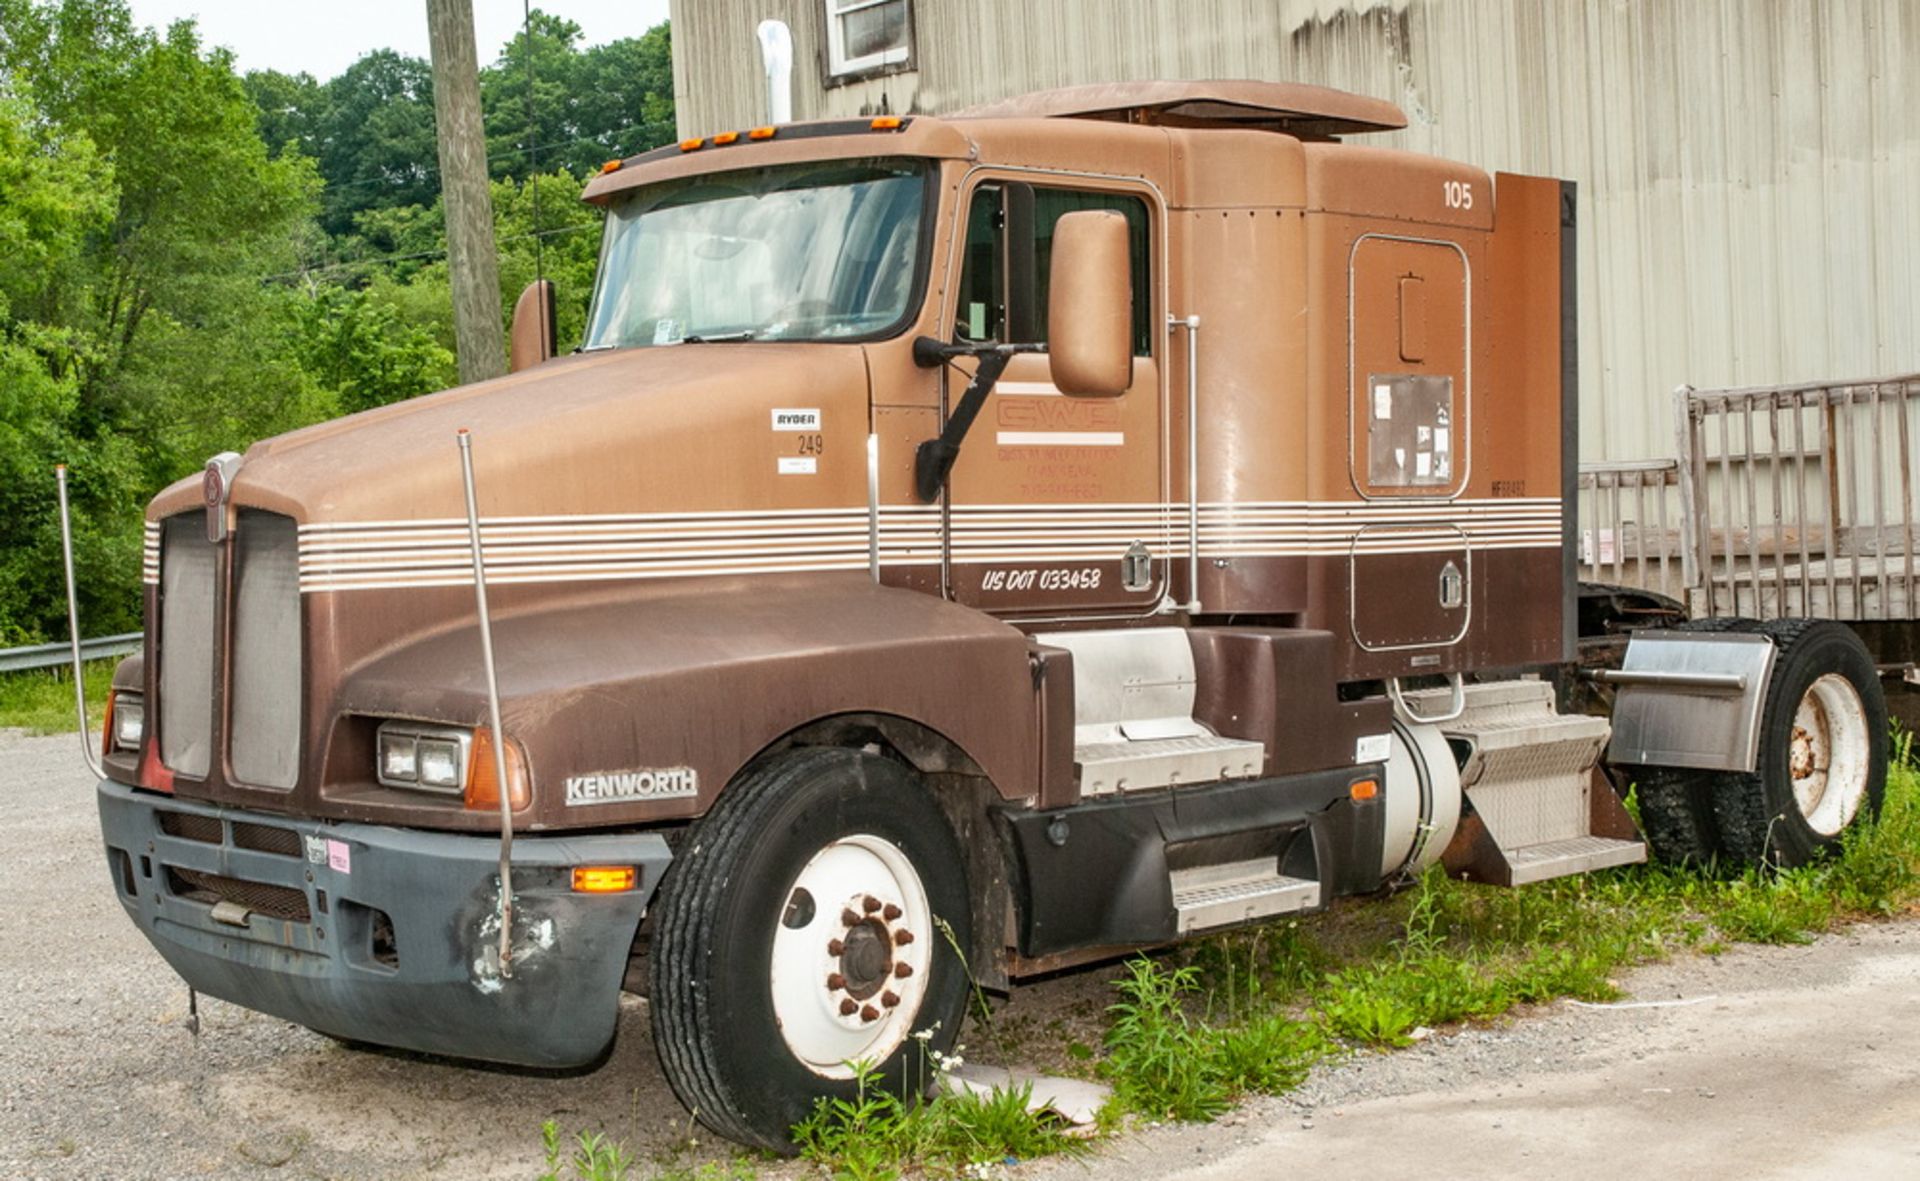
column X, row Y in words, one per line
column 689, row 145
column 885, row 123
column 762, row 133
column 725, row 138
column 610, row 166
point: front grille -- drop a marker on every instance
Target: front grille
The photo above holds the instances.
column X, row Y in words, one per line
column 190, row 827
column 264, row 838
column 187, row 589
column 265, row 728
column 275, row 902
column 264, row 693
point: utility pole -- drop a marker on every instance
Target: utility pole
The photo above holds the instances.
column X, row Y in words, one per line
column 473, row 267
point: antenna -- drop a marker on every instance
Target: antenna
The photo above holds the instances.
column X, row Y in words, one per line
column 533, row 146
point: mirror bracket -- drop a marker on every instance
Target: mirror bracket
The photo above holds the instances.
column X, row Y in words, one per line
column 933, row 460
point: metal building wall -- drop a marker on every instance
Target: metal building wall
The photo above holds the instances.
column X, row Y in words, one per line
column 1749, row 169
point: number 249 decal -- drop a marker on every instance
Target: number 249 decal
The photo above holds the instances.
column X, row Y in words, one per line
column 1458, row 194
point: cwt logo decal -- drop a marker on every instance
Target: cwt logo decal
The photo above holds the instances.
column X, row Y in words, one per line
column 619, row 787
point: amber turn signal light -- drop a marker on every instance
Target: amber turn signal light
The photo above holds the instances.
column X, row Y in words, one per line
column 604, row 879
column 1364, row 789
column 610, row 166
column 725, row 138
column 483, row 781
column 762, row 133
column 688, row 145
column 885, row 123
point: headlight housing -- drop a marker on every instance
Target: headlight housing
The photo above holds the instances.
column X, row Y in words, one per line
column 128, row 720
column 423, row 758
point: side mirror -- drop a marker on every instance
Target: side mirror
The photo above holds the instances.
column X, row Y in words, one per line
column 1090, row 305
column 534, row 327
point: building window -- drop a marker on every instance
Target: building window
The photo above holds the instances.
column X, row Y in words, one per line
column 867, row 37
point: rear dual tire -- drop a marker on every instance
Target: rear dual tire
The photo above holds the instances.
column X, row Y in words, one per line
column 1821, row 763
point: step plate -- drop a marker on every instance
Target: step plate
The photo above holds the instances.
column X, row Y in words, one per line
column 1558, row 859
column 1107, row 767
column 1222, row 903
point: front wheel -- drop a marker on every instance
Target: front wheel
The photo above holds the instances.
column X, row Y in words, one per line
column 801, row 937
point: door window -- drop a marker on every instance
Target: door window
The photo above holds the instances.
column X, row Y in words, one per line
column 1009, row 254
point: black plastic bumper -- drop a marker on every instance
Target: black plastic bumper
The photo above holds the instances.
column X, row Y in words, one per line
column 384, row 935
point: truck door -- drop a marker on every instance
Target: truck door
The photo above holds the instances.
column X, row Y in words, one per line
column 1058, row 504
column 1409, row 405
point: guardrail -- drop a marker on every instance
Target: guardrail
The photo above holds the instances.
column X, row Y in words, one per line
column 54, row 655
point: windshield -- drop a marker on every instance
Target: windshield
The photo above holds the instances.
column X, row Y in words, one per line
column 824, row 250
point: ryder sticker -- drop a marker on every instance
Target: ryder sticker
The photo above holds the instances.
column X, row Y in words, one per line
column 796, row 420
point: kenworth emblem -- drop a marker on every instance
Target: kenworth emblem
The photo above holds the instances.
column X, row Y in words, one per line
column 619, row 787
column 216, row 488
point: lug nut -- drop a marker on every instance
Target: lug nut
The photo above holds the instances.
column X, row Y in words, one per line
column 869, row 1013
column 848, row 1007
column 903, row 970
column 870, row 903
column 890, row 999
column 849, row 919
column 890, row 912
column 835, row 947
column 903, row 937
column 836, row 982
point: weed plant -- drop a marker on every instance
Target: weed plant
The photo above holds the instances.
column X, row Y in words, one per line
column 40, row 701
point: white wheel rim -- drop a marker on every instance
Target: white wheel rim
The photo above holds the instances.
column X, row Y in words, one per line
column 852, row 942
column 1828, row 754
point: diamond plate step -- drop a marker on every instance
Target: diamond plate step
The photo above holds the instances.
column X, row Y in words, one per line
column 1107, row 767
column 1221, row 895
column 1558, row 859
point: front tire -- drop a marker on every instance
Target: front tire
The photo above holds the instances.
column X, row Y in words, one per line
column 800, row 933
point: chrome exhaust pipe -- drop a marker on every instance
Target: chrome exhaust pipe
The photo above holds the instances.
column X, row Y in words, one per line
column 73, row 628
column 493, row 709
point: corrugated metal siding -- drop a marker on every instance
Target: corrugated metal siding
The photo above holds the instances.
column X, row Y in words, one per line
column 1749, row 169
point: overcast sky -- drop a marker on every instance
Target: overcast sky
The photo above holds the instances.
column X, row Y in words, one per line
column 324, row 38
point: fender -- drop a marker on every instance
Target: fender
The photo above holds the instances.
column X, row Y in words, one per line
column 700, row 678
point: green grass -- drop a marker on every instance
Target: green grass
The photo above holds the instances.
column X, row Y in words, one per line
column 1250, row 1012
column 40, row 700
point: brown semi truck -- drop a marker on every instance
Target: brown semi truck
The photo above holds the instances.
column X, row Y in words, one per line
column 960, row 547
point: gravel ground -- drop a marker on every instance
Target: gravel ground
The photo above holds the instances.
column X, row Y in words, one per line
column 1802, row 1064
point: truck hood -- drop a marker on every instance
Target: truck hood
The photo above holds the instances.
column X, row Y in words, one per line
column 692, row 427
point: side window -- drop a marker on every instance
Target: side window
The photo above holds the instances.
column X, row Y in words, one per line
column 1009, row 253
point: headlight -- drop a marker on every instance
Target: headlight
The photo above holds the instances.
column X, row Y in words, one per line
column 129, row 721
column 423, row 758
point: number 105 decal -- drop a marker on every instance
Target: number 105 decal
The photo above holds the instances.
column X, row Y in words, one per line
column 1458, row 194
column 1085, row 578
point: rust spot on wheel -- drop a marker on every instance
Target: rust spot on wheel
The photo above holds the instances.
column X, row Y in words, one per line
column 848, row 918
column 869, row 1013
column 870, row 904
column 902, row 937
column 890, row 999
column 890, row 912
column 903, row 970
column 835, row 947
column 836, row 982
column 848, row 1008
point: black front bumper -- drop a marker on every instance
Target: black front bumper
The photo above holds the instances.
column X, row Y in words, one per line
column 384, row 935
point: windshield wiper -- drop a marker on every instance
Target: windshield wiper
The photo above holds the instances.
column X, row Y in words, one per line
column 719, row 337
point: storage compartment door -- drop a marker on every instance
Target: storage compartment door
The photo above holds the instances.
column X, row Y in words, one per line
column 1411, row 586
column 1409, row 368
